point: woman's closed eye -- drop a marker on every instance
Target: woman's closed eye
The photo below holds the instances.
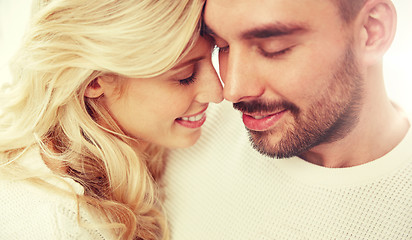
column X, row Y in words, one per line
column 188, row 80
column 191, row 79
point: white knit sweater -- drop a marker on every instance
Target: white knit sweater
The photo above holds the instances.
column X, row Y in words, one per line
column 223, row 189
column 33, row 212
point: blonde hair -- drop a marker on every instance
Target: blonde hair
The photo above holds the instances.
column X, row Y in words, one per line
column 69, row 44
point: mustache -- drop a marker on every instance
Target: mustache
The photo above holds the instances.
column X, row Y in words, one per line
column 259, row 106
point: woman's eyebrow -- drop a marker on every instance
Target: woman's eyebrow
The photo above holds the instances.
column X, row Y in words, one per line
column 188, row 62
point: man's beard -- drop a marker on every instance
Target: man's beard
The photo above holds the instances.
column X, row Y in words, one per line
column 329, row 118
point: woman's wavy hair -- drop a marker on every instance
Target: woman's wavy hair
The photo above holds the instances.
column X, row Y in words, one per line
column 68, row 44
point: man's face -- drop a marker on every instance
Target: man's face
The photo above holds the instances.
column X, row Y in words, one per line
column 290, row 67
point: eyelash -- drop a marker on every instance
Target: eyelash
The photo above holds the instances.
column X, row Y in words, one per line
column 264, row 53
column 223, row 49
column 189, row 80
column 274, row 54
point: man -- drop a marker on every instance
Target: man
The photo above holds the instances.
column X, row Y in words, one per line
column 331, row 155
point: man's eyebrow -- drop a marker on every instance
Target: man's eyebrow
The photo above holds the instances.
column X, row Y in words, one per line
column 207, row 30
column 188, row 62
column 264, row 31
column 273, row 30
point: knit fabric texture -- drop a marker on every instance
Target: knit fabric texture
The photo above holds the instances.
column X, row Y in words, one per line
column 30, row 211
column 222, row 188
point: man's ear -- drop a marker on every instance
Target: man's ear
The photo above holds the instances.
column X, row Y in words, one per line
column 94, row 89
column 378, row 30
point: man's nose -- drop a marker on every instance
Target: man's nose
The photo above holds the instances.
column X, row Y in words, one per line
column 239, row 76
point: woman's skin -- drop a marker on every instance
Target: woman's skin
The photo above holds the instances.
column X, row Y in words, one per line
column 169, row 109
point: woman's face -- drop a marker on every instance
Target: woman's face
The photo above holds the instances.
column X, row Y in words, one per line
column 169, row 109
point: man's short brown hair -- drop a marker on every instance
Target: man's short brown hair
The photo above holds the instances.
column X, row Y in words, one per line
column 349, row 9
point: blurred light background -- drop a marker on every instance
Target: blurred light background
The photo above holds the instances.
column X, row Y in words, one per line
column 14, row 15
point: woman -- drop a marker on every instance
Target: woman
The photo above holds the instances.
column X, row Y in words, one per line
column 100, row 89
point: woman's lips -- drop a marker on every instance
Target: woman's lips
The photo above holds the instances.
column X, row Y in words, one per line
column 193, row 121
column 262, row 122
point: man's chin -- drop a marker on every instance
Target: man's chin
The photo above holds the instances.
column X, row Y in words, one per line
column 265, row 144
column 276, row 145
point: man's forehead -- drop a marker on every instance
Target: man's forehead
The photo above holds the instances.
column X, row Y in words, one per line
column 240, row 21
column 241, row 13
column 222, row 15
column 267, row 17
column 225, row 8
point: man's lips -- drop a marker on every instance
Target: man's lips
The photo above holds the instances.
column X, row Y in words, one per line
column 262, row 122
column 193, row 121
